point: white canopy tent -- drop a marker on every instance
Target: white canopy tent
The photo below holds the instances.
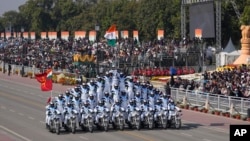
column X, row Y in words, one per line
column 228, row 55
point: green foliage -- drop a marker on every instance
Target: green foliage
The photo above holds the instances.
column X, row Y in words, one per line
column 147, row 16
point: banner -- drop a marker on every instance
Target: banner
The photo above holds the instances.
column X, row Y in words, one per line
column 135, row 35
column 124, row 34
column 32, row 35
column 52, row 35
column 80, row 34
column 84, row 58
column 7, row 35
column 92, row 35
column 160, row 34
column 65, row 35
column 26, row 35
column 43, row 35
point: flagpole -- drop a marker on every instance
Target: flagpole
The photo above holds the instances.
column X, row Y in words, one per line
column 51, row 94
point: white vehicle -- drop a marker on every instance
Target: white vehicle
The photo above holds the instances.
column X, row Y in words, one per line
column 135, row 119
column 175, row 120
column 119, row 120
column 71, row 122
column 87, row 122
column 54, row 124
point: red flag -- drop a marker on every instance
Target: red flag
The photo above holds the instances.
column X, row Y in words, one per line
column 46, row 83
column 49, row 100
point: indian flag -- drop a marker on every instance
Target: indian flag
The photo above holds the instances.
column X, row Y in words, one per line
column 49, row 74
column 111, row 36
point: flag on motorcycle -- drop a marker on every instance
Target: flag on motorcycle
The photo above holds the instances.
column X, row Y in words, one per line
column 110, row 36
column 49, row 100
column 45, row 79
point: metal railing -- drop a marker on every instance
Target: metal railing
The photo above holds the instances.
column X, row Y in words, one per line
column 216, row 101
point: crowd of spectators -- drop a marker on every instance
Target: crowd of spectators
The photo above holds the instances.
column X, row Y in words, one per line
column 57, row 53
column 232, row 82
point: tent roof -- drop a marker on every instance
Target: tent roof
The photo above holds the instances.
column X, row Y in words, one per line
column 230, row 47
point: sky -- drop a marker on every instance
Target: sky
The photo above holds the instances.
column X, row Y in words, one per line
column 7, row 5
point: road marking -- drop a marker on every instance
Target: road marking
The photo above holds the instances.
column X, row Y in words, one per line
column 21, row 114
column 32, row 93
column 12, row 110
column 206, row 140
column 42, row 122
column 138, row 136
column 40, row 96
column 31, row 118
column 82, row 137
column 14, row 133
column 186, row 134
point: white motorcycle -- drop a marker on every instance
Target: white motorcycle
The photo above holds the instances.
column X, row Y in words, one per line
column 161, row 119
column 54, row 125
column 175, row 120
column 119, row 119
column 149, row 118
column 87, row 122
column 71, row 123
column 135, row 119
column 104, row 120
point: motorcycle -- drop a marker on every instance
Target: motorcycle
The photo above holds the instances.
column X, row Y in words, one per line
column 88, row 121
column 135, row 119
column 54, row 125
column 149, row 118
column 175, row 120
column 119, row 119
column 162, row 119
column 104, row 120
column 71, row 123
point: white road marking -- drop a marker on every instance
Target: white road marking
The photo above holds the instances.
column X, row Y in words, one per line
column 12, row 110
column 206, row 140
column 42, row 122
column 21, row 114
column 14, row 133
column 31, row 118
column 186, row 134
column 40, row 96
column 82, row 137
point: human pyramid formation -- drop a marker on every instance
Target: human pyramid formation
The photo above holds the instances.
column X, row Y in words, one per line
column 113, row 96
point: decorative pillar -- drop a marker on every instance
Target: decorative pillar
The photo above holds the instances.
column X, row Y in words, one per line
column 245, row 46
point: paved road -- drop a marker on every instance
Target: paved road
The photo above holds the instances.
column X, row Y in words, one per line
column 22, row 115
